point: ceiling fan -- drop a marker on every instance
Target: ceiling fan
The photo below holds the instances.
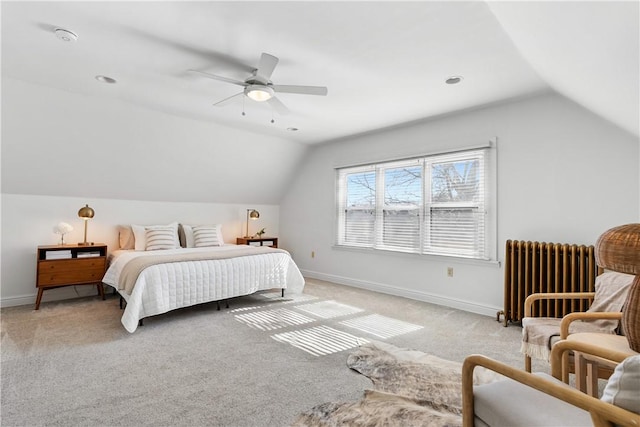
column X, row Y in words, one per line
column 260, row 88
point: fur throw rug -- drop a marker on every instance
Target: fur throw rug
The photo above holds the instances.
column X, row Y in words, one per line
column 411, row 389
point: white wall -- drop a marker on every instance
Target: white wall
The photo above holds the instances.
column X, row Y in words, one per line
column 564, row 175
column 61, row 150
column 28, row 221
column 66, row 144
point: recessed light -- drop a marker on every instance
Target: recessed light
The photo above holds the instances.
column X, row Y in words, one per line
column 65, row 35
column 292, row 129
column 105, row 79
column 453, row 80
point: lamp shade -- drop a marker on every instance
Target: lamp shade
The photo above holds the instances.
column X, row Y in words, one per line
column 618, row 249
column 86, row 212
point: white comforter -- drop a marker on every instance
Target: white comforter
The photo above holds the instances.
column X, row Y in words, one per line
column 165, row 287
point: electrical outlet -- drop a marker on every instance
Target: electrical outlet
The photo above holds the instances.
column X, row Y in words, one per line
column 450, row 271
column 313, row 254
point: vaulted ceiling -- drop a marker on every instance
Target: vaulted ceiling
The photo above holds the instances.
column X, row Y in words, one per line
column 384, row 63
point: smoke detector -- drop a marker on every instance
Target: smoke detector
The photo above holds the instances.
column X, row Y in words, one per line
column 65, row 35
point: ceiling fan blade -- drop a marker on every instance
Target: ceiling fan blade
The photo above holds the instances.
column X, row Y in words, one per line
column 302, row 90
column 222, row 79
column 277, row 105
column 267, row 65
column 225, row 101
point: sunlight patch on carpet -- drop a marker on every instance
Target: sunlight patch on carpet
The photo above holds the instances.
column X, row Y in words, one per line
column 329, row 309
column 252, row 307
column 381, row 326
column 320, row 340
column 273, row 319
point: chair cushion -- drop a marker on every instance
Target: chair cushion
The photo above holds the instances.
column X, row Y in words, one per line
column 539, row 334
column 623, row 388
column 609, row 341
column 510, row 403
column 611, row 291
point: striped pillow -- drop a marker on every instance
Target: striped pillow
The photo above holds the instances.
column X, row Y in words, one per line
column 207, row 235
column 160, row 238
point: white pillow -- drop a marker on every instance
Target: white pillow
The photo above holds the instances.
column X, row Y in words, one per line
column 125, row 236
column 186, row 236
column 139, row 234
column 207, row 235
column 623, row 388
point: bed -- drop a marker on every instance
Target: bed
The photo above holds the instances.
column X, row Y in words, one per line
column 157, row 281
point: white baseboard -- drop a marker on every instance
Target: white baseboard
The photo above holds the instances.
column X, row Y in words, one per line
column 15, row 301
column 56, row 294
column 407, row 293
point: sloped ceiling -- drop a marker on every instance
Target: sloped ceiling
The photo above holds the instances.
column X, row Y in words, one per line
column 384, row 63
column 586, row 51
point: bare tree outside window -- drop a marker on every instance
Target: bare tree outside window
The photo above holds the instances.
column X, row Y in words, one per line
column 455, row 181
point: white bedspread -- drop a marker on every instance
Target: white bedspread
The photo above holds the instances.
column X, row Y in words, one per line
column 165, row 287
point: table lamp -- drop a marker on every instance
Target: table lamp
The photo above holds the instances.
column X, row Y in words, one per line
column 86, row 213
column 251, row 214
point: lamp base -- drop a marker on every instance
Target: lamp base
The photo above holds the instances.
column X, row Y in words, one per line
column 86, row 244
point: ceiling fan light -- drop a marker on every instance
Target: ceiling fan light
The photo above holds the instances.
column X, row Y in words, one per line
column 259, row 93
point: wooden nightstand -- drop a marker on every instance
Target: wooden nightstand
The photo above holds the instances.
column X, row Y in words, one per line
column 67, row 265
column 258, row 241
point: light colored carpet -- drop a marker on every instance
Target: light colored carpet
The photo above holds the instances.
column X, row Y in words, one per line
column 261, row 362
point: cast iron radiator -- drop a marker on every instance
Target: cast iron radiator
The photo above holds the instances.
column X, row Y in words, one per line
column 532, row 267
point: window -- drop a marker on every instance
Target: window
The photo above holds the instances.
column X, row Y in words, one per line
column 430, row 205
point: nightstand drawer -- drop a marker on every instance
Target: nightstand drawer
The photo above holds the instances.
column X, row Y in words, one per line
column 70, row 277
column 71, row 265
column 70, row 271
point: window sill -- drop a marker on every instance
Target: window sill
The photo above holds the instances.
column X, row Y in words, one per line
column 443, row 258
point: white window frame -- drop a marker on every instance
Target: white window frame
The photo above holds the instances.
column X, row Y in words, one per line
column 484, row 244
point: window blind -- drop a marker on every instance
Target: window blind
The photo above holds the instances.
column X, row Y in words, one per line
column 357, row 206
column 430, row 205
column 455, row 208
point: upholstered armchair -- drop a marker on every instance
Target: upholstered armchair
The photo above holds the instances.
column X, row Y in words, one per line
column 540, row 399
column 603, row 316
